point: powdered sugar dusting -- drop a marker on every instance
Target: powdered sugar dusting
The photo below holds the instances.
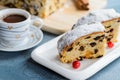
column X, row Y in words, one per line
column 98, row 16
column 78, row 32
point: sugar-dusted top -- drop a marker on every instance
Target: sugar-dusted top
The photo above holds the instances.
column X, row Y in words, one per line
column 98, row 16
column 78, row 32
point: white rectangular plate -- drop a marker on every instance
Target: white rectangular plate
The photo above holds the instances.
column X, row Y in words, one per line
column 47, row 55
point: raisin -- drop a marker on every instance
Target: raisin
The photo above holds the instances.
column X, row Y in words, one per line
column 101, row 40
column 90, row 57
column 87, row 37
column 41, row 4
column 80, row 58
column 68, row 61
column 36, row 11
column 60, row 55
column 107, row 31
column 102, row 35
column 92, row 44
column 97, row 38
column 111, row 30
column 70, row 49
column 118, row 21
column 10, row 5
column 81, row 48
column 108, row 39
column 108, row 26
column 83, row 57
column 99, row 56
column 95, row 51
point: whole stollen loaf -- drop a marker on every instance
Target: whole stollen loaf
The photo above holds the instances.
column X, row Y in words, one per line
column 42, row 8
column 85, row 41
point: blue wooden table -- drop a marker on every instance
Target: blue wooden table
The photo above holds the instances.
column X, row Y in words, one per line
column 19, row 65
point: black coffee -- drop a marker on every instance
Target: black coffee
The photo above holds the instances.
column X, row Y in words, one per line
column 14, row 18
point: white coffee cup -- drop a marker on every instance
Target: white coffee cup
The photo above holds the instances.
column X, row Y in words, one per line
column 16, row 34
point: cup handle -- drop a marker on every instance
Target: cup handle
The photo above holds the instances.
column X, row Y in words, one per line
column 36, row 21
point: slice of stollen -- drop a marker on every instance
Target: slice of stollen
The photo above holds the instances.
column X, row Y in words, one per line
column 85, row 41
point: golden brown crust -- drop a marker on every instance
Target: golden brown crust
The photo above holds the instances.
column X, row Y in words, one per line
column 112, row 20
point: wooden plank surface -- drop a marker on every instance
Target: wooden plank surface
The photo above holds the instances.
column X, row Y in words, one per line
column 62, row 20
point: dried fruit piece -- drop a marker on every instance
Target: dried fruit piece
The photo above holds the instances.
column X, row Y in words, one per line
column 81, row 48
column 69, row 49
column 95, row 51
column 92, row 44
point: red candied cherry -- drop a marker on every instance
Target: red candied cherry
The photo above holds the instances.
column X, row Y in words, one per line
column 76, row 64
column 110, row 44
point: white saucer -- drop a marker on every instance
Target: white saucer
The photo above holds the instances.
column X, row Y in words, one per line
column 35, row 37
